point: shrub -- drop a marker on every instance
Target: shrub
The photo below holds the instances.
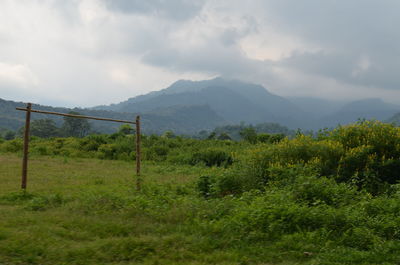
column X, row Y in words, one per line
column 92, row 142
column 107, row 151
column 322, row 190
column 366, row 154
column 12, row 146
column 40, row 149
column 263, row 137
column 372, row 155
column 211, row 158
column 204, row 186
column 271, row 162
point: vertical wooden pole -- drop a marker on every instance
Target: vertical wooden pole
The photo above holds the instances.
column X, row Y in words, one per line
column 138, row 154
column 26, row 147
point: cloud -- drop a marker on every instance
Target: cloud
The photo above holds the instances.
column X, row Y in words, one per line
column 209, row 43
column 71, row 50
column 171, row 9
column 17, row 75
column 357, row 39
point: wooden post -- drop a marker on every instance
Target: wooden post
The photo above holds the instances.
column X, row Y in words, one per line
column 138, row 154
column 26, row 147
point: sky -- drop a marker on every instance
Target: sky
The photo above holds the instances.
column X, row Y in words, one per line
column 91, row 52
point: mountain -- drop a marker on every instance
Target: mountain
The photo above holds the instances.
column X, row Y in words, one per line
column 187, row 107
column 394, row 119
column 317, row 108
column 233, row 100
column 372, row 108
column 180, row 119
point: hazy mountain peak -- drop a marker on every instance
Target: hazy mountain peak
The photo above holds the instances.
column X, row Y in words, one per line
column 235, row 101
column 189, row 85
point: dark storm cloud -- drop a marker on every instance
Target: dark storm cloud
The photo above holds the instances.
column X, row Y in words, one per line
column 367, row 24
column 359, row 38
column 172, row 9
column 350, row 67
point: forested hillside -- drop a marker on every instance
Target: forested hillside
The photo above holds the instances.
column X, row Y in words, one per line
column 187, row 107
column 180, row 119
column 236, row 101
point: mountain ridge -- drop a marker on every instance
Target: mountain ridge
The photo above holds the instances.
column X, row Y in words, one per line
column 233, row 100
column 187, row 107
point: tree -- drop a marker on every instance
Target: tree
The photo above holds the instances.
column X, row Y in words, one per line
column 44, row 128
column 126, row 129
column 75, row 127
column 224, row 136
column 249, row 134
column 203, row 134
column 264, row 138
column 9, row 135
column 212, row 136
column 168, row 134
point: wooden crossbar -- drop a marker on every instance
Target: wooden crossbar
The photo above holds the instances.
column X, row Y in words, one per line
column 75, row 116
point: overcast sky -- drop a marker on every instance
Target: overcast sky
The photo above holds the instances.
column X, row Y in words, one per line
column 91, row 52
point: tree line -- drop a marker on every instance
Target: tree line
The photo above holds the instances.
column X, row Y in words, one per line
column 47, row 128
column 77, row 127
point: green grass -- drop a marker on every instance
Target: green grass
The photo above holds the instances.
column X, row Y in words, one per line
column 87, row 211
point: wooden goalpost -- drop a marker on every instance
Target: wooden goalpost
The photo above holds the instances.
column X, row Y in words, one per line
column 29, row 110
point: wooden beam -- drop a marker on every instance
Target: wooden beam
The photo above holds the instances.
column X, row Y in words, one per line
column 26, row 147
column 138, row 153
column 75, row 116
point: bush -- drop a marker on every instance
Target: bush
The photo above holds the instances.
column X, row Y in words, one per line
column 156, row 153
column 211, row 158
column 107, row 151
column 272, row 162
column 366, row 154
column 12, row 146
column 92, row 142
column 322, row 190
column 204, row 186
column 372, row 155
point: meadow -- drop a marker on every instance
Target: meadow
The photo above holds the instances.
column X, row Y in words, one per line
column 329, row 199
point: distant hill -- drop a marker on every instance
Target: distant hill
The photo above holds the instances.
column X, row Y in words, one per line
column 180, row 119
column 233, row 131
column 233, row 100
column 317, row 108
column 373, row 108
column 187, row 107
column 236, row 101
column 394, row 119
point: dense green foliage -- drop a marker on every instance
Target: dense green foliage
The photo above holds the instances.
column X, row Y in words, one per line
column 177, row 150
column 366, row 155
column 238, row 132
column 73, row 127
column 44, row 128
column 330, row 199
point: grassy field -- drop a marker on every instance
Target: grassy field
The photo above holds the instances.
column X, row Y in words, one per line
column 85, row 211
column 326, row 201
